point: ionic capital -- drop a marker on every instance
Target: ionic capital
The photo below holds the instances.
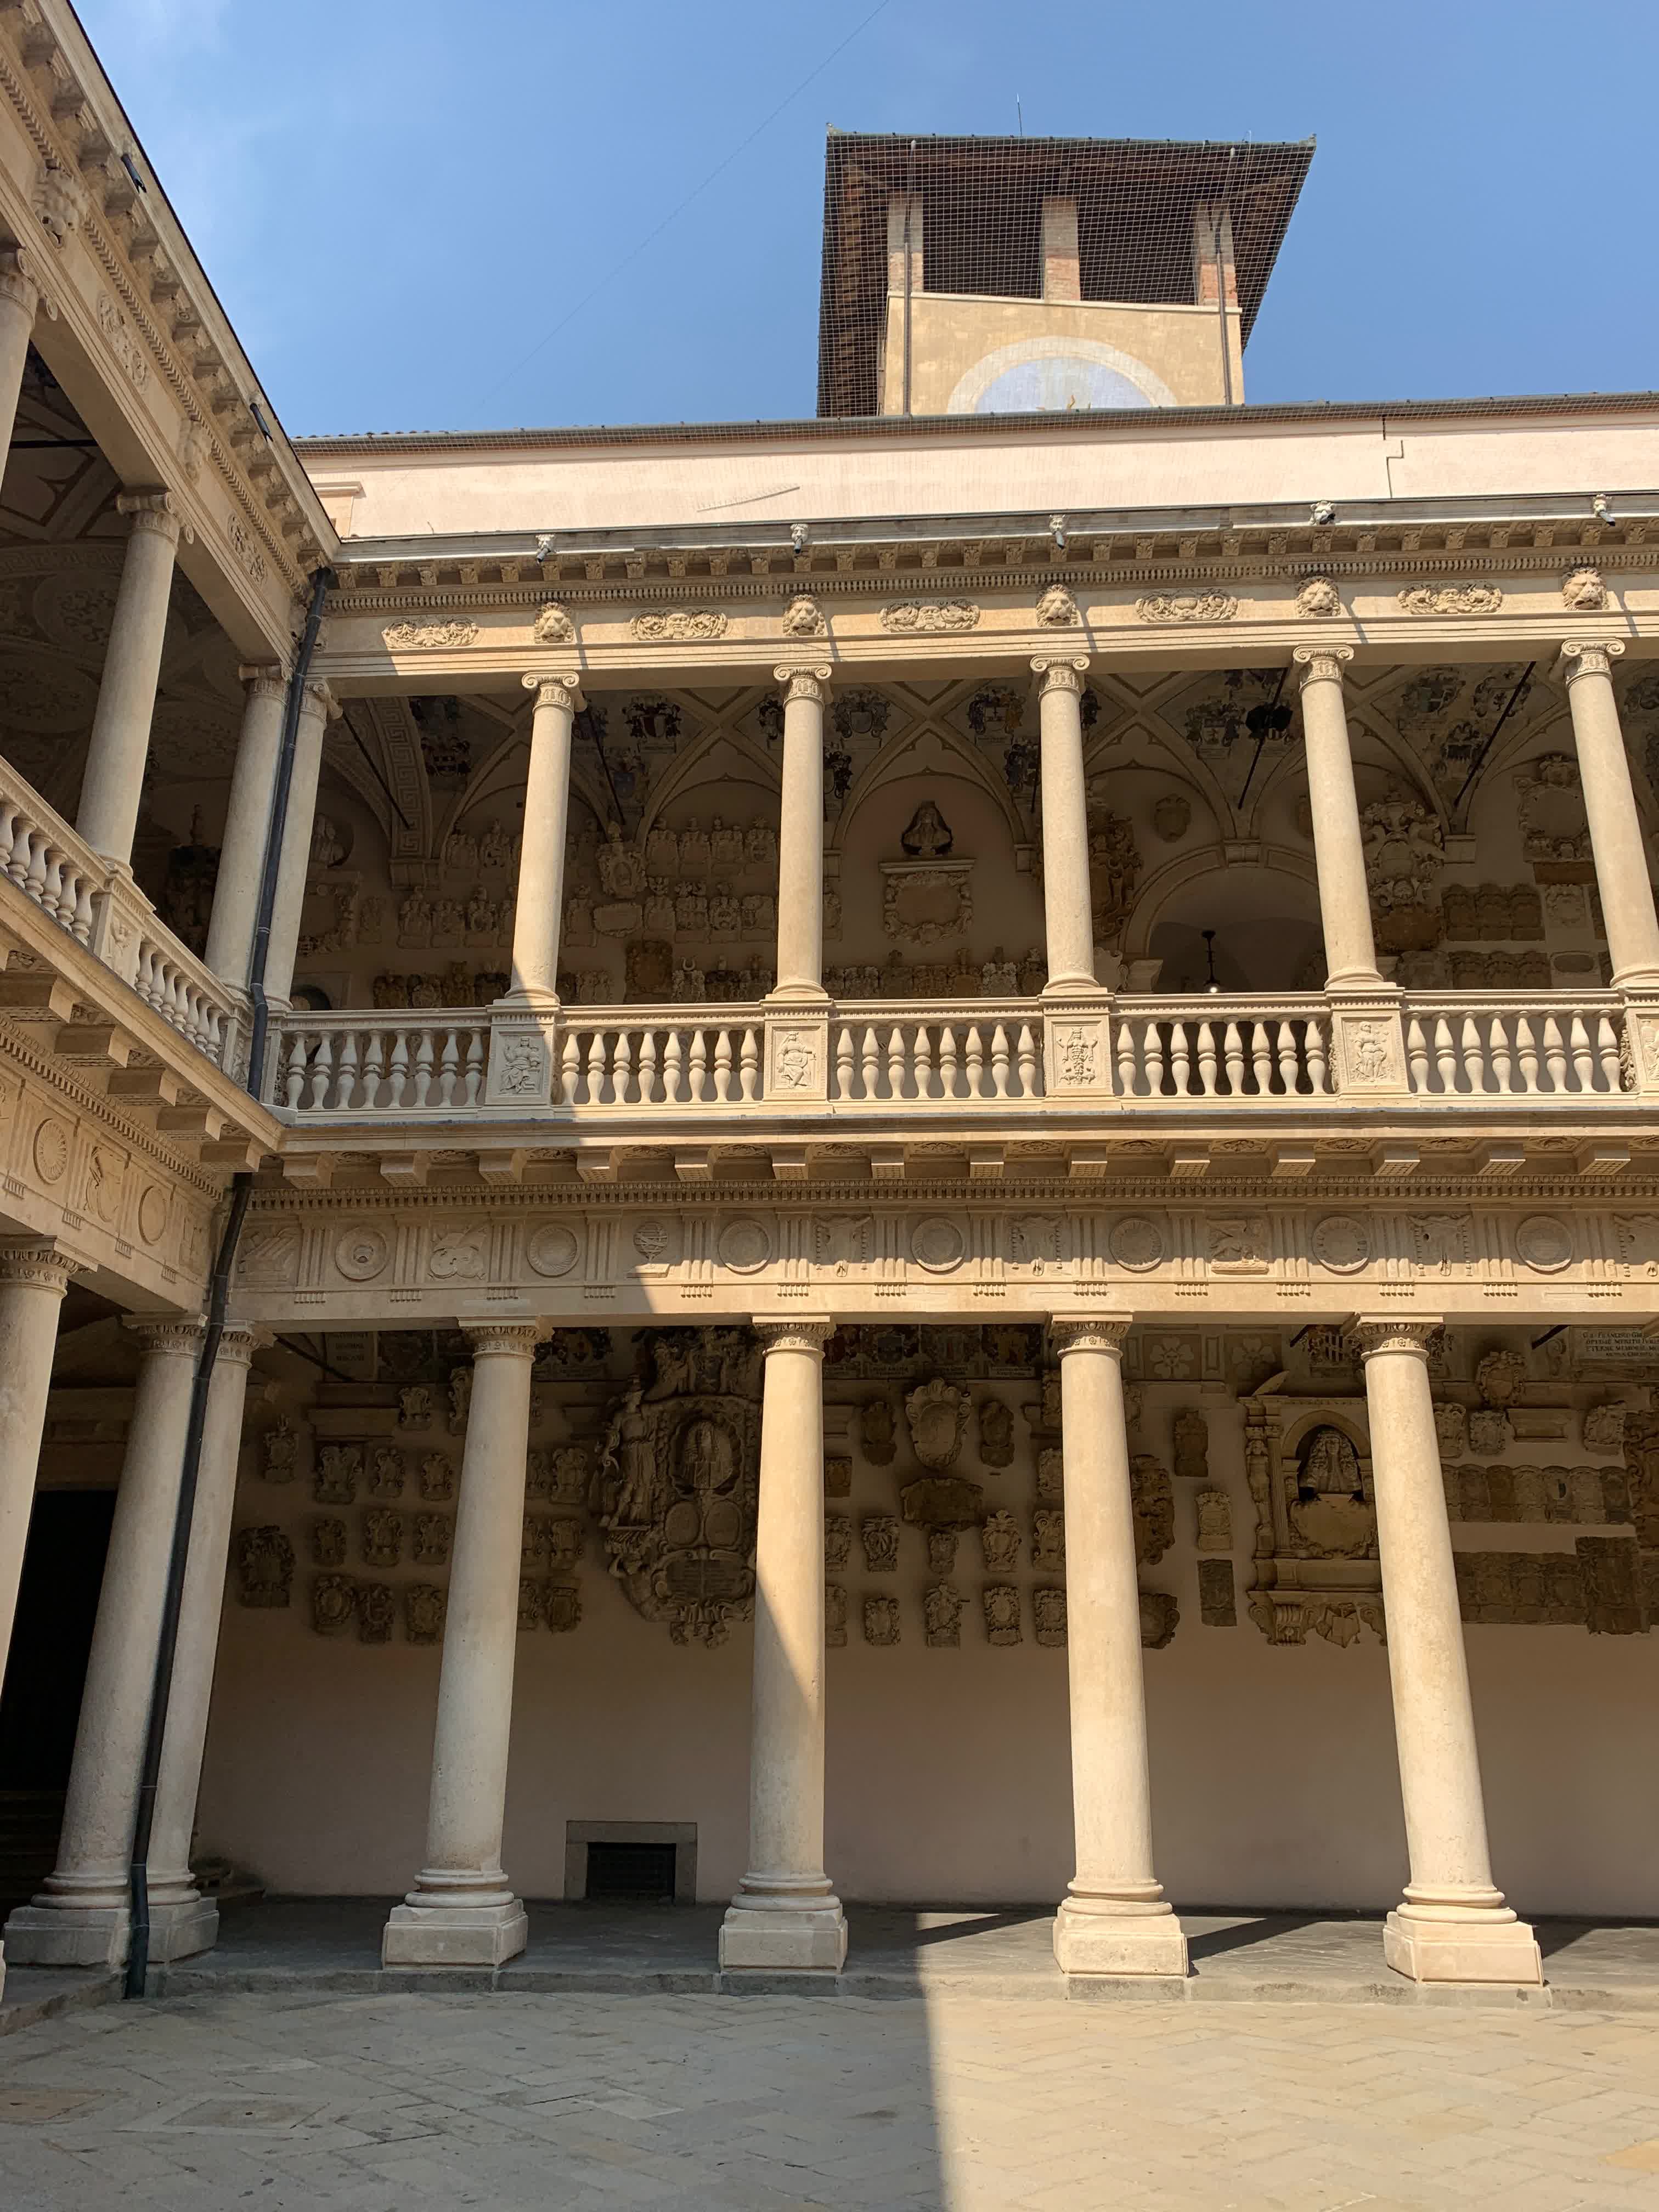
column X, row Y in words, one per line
column 1089, row 1333
column 562, row 687
column 1591, row 656
column 803, row 683
column 317, row 699
column 1376, row 1333
column 1321, row 664
column 263, row 679
column 176, row 1336
column 39, row 1264
column 153, row 510
column 794, row 1334
column 506, row 1340
column 1062, row 675
column 18, row 282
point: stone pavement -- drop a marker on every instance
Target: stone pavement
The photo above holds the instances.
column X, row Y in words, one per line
column 395, row 2102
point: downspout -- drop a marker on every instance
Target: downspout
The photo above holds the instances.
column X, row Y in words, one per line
column 241, row 1190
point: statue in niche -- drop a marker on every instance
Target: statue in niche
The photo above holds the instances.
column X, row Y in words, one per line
column 928, row 836
column 1330, row 1513
column 1192, row 1444
column 622, row 873
column 1330, row 1467
column 1114, row 873
column 677, row 1482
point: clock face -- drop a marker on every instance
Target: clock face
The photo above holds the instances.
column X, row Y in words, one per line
column 1060, row 380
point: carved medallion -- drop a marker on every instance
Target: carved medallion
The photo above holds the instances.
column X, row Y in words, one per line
column 152, row 1213
column 654, row 1242
column 1543, row 1241
column 51, row 1152
column 938, row 1415
column 1342, row 1243
column 270, row 1253
column 938, row 1243
column 460, row 1254
column 745, row 1245
column 1136, row 1242
column 361, row 1252
column 552, row 1249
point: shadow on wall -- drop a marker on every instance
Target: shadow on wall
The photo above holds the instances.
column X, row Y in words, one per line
column 1266, row 935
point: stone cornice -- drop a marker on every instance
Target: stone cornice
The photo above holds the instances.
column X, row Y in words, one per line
column 17, row 1045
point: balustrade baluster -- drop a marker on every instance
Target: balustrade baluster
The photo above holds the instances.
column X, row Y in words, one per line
column 399, row 1080
column 947, row 1060
column 1151, row 1042
column 1417, row 1054
column 1503, row 1065
column 15, row 835
column 999, row 1061
column 648, row 1067
column 722, row 1066
column 895, row 1062
column 749, row 1065
column 1318, row 1057
column 1181, row 1060
column 322, row 1066
column 844, row 1062
column 477, row 1047
column 621, row 1067
column 871, row 1068
column 922, row 1063
column 345, row 1090
column 1128, row 1060
column 976, row 1043
column 1555, row 1053
column 1029, row 1062
column 1445, row 1053
column 673, row 1068
column 1207, row 1056
column 570, row 1068
column 52, row 882
column 449, row 1061
column 1475, row 1057
column 37, row 869
column 699, row 1065
column 294, row 1082
column 80, row 928
column 1606, row 1038
column 1583, row 1062
column 1261, row 1058
column 1526, row 1048
column 423, row 1054
column 373, row 1057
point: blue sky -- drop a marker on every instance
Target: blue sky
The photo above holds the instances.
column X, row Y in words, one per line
column 401, row 201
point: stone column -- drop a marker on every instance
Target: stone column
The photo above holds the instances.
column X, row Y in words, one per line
column 1115, row 1918
column 1454, row 1925
column 1345, row 899
column 539, row 909
column 462, row 1910
column 81, row 1918
column 1615, row 822
column 20, row 302
column 33, row 1279
column 181, row 1920
column 1067, row 908
column 785, row 1914
column 317, row 709
column 247, row 823
column 800, row 836
column 119, row 745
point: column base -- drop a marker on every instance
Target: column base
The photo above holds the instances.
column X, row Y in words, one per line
column 453, row 1935
column 1121, row 1941
column 1441, row 1944
column 100, row 1934
column 796, row 1938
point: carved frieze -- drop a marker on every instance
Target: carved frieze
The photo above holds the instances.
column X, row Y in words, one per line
column 1451, row 598
column 922, row 617
column 1186, row 607
column 429, row 637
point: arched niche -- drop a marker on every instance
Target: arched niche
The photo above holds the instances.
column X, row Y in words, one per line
column 1265, row 914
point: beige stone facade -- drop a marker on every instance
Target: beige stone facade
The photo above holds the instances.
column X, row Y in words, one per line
column 950, row 1209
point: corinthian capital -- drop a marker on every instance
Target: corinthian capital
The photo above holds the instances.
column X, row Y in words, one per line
column 1375, row 1334
column 1591, row 656
column 793, row 1334
column 803, row 683
column 560, row 688
column 515, row 1340
column 153, row 510
column 39, row 1263
column 1321, row 664
column 1089, row 1333
column 1061, row 675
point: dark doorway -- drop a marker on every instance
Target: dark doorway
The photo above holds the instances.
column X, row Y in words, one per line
column 635, row 1874
column 56, row 1603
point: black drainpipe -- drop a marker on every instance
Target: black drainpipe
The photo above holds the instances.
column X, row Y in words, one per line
column 241, row 1190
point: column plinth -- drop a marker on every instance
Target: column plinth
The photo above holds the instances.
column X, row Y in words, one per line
column 786, row 1917
column 1115, row 1918
column 1345, row 899
column 1617, row 846
column 1452, row 1924
column 462, row 1909
column 800, row 838
column 1067, row 901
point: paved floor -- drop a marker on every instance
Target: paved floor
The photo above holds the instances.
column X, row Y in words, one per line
column 397, row 2102
column 334, row 1944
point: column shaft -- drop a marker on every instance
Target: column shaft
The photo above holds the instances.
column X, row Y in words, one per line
column 295, row 864
column 81, row 1918
column 462, row 1909
column 1068, row 912
column 785, row 1914
column 1114, row 1919
column 800, row 836
column 1616, row 844
column 539, row 911
column 248, row 824
column 1344, row 902
column 1454, row 1924
column 119, row 746
column 182, row 1921
column 33, row 1280
column 20, row 302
